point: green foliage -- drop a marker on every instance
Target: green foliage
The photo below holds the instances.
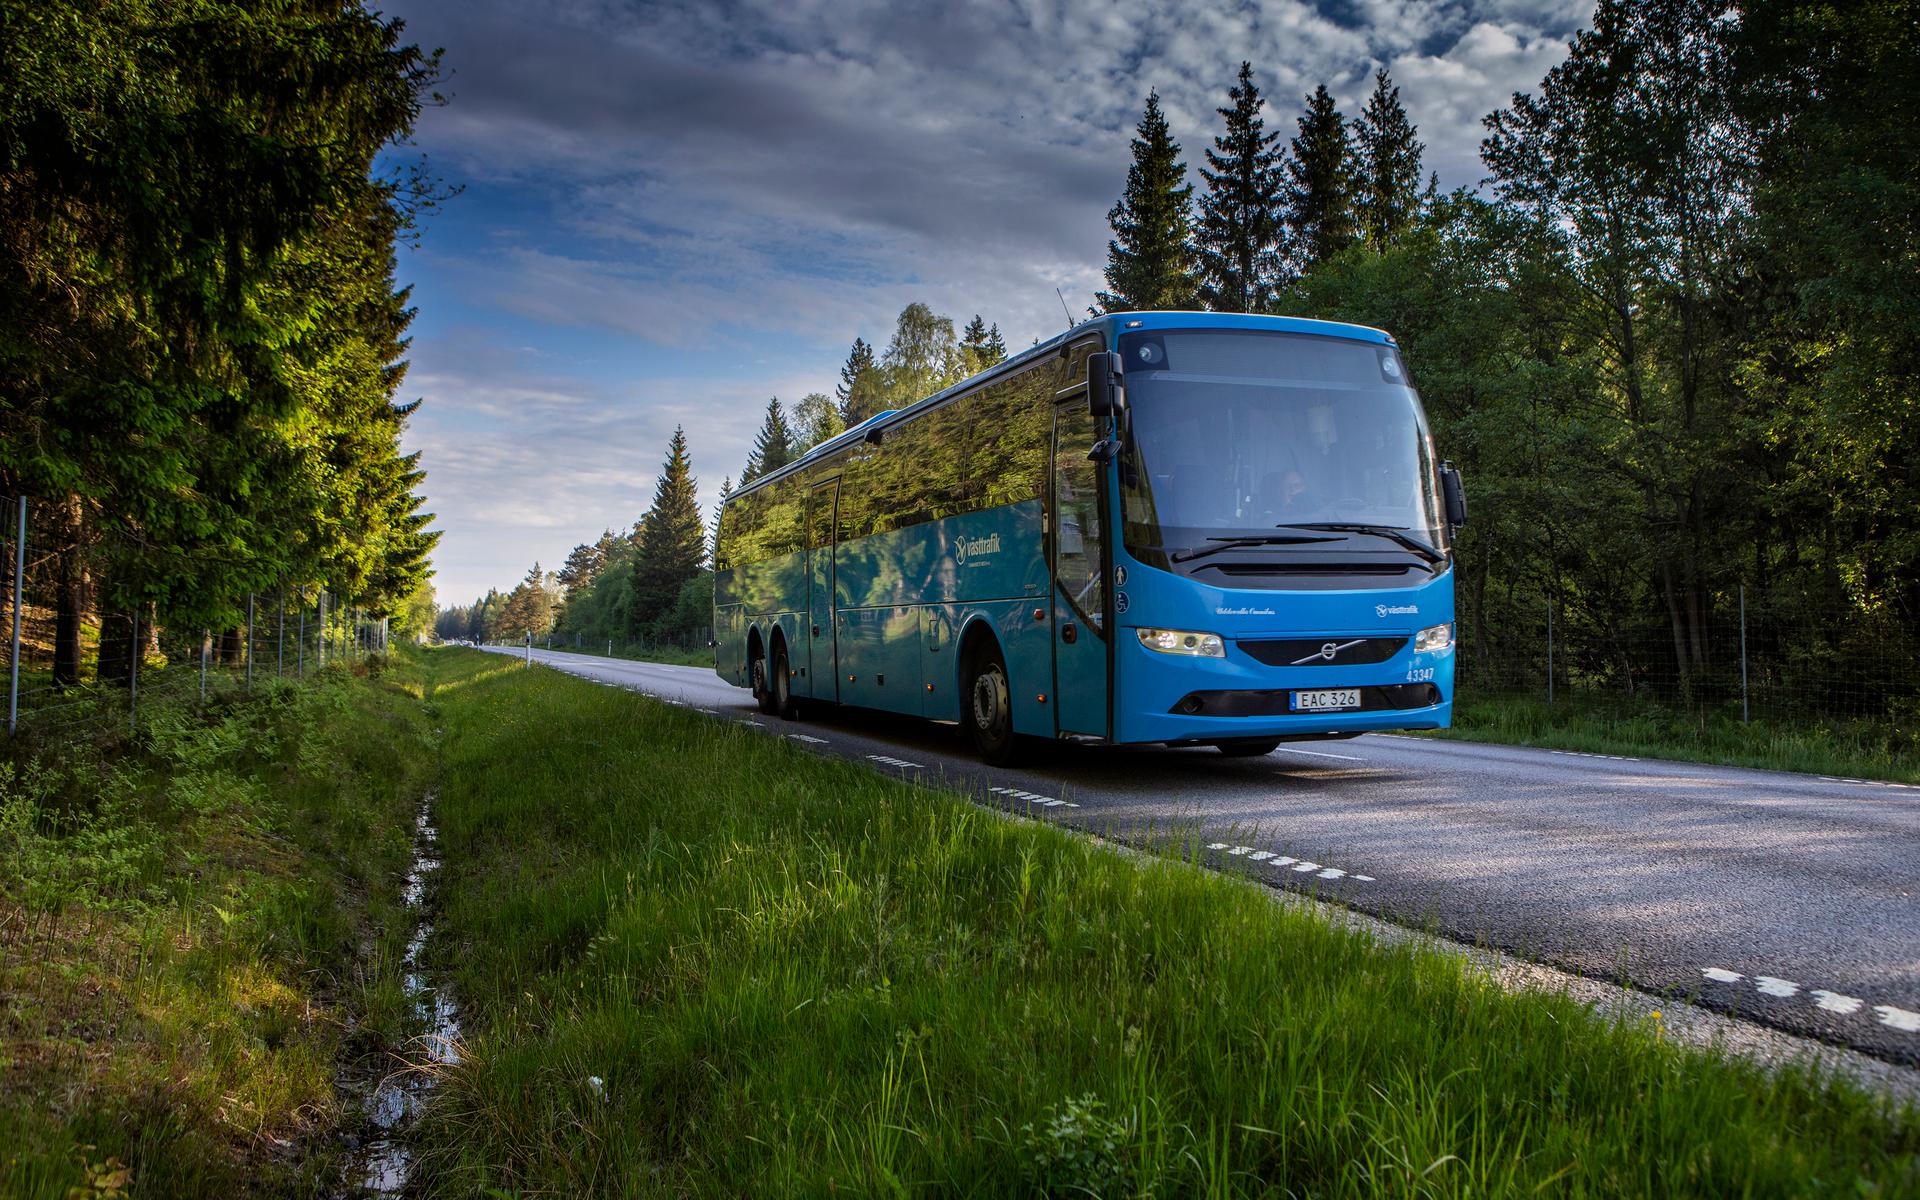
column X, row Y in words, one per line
column 200, row 920
column 199, row 328
column 1150, row 261
column 816, row 418
column 922, row 358
column 1241, row 219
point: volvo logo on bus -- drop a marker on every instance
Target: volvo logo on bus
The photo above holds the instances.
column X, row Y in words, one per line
column 966, row 547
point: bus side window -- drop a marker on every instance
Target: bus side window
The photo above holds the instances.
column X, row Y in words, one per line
column 1076, row 513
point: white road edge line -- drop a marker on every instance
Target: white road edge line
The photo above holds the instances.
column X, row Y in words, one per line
column 1320, row 754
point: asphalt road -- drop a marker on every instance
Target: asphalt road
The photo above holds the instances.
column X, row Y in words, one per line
column 1792, row 900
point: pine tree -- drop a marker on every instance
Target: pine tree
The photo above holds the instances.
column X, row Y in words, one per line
column 673, row 541
column 860, row 387
column 1320, row 183
column 980, row 346
column 1241, row 223
column 584, row 564
column 713, row 529
column 773, row 448
column 1387, row 199
column 1149, row 261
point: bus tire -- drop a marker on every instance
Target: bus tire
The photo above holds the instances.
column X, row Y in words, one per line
column 988, row 715
column 780, row 684
column 762, row 686
column 1246, row 747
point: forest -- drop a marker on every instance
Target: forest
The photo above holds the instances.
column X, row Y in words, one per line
column 201, row 337
column 1671, row 340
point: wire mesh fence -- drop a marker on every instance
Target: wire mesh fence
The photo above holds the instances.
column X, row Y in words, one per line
column 73, row 660
column 1733, row 652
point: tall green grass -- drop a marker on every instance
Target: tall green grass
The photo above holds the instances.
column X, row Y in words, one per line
column 199, row 922
column 699, row 961
column 1870, row 749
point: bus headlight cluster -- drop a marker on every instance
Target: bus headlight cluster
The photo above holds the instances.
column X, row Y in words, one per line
column 1183, row 641
column 1434, row 639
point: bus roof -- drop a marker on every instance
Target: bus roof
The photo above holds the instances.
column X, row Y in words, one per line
column 1113, row 325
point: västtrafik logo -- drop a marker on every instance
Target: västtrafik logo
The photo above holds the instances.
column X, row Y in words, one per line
column 966, row 548
column 1386, row 610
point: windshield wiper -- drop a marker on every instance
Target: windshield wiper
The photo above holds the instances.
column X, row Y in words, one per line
column 1393, row 533
column 1241, row 541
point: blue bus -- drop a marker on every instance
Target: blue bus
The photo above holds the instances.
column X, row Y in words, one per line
column 1159, row 527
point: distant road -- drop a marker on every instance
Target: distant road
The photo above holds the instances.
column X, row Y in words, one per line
column 1788, row 899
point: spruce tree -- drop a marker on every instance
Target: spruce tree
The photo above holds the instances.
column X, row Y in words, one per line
column 1387, row 199
column 773, row 449
column 981, row 346
column 1149, row 261
column 1241, row 222
column 860, row 387
column 1320, row 184
column 713, row 530
column 673, row 541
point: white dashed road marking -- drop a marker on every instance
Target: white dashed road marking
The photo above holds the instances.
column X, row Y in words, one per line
column 1321, row 754
column 1300, row 865
column 890, row 761
column 1033, row 797
column 1899, row 1018
column 814, row 741
column 1829, row 1001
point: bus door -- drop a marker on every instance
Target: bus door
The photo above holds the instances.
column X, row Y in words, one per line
column 823, row 669
column 1078, row 522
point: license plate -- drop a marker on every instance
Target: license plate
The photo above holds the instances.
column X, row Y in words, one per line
column 1331, row 700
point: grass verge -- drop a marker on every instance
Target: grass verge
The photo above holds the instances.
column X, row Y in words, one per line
column 700, row 961
column 1857, row 749
column 198, row 921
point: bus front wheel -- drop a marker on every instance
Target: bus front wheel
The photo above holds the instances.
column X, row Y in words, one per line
column 989, row 708
column 1246, row 747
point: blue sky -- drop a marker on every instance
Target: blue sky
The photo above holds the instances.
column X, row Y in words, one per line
column 670, row 212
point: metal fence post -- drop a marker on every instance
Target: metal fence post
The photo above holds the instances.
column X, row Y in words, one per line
column 300, row 646
column 249, row 641
column 19, row 597
column 320, row 641
column 1746, row 713
column 280, row 636
column 206, row 640
column 133, row 676
column 1549, row 652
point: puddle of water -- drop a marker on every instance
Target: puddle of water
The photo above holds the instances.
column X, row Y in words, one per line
column 386, row 1160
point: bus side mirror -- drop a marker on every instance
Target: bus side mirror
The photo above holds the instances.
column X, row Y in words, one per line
column 1454, row 493
column 1105, row 395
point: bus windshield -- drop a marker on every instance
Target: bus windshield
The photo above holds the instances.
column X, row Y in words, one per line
column 1237, row 434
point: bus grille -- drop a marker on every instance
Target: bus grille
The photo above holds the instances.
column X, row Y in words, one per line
column 1312, row 652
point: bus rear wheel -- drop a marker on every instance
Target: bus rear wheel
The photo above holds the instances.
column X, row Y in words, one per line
column 989, row 708
column 1246, row 747
column 762, row 684
column 780, row 685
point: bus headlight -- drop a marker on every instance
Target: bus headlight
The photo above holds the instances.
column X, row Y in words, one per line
column 1434, row 639
column 1183, row 641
